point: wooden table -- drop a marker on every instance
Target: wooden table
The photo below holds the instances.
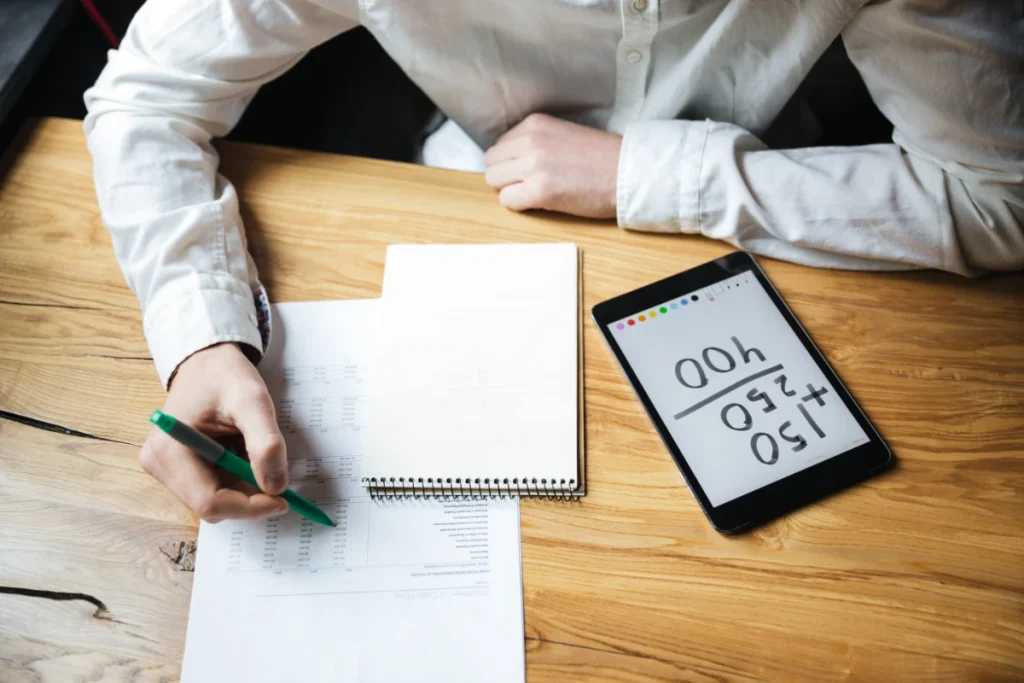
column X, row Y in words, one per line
column 916, row 575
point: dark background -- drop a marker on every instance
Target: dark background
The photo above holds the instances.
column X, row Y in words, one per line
column 372, row 110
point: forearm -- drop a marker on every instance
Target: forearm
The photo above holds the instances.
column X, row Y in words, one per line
column 183, row 75
column 872, row 207
column 176, row 231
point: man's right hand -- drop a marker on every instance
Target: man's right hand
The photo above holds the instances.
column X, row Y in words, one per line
column 218, row 391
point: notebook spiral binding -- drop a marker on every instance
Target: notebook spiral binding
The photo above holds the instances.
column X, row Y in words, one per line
column 403, row 488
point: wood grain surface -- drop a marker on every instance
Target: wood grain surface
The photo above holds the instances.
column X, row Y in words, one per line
column 915, row 575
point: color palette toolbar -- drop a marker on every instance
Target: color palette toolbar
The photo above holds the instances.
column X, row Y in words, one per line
column 659, row 310
column 706, row 294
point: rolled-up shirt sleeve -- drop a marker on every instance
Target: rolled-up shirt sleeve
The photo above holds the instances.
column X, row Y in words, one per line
column 183, row 75
column 947, row 193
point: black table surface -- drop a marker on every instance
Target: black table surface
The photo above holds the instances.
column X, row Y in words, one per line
column 27, row 31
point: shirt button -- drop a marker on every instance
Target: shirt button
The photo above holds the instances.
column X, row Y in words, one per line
column 634, row 56
column 639, row 5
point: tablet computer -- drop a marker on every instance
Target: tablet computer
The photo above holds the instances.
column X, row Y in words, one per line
column 754, row 417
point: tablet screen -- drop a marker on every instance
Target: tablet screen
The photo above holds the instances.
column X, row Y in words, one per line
column 738, row 392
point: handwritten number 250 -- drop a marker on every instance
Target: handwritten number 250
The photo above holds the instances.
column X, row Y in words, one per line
column 768, row 453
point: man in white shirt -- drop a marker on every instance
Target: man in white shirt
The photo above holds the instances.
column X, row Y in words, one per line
column 654, row 108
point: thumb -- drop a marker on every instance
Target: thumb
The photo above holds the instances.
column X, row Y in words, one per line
column 264, row 443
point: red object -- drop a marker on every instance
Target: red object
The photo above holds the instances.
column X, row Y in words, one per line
column 101, row 23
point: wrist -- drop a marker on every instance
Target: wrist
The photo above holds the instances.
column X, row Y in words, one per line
column 659, row 176
column 200, row 359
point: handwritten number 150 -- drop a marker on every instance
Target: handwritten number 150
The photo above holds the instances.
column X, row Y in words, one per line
column 765, row 448
column 741, row 421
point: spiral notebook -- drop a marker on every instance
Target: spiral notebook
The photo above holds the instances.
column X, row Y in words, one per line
column 477, row 384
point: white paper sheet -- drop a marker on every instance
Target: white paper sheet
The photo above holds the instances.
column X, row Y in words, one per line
column 476, row 365
column 424, row 591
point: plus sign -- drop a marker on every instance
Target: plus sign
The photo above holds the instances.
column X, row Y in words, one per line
column 815, row 394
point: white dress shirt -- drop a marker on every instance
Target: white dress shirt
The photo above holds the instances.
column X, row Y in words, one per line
column 690, row 83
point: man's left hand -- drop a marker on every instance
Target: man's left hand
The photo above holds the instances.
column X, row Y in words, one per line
column 547, row 163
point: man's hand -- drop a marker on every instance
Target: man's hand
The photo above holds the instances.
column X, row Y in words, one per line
column 546, row 163
column 218, row 391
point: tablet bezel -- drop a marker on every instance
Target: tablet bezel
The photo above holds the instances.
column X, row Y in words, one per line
column 784, row 495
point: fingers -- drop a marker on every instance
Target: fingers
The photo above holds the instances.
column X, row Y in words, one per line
column 195, row 484
column 544, row 163
column 228, row 503
column 529, row 194
column 252, row 412
column 524, row 140
column 178, row 468
column 503, row 149
column 532, row 123
column 512, row 167
column 508, row 172
column 216, row 391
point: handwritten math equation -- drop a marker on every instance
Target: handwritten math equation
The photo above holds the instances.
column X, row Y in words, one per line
column 757, row 394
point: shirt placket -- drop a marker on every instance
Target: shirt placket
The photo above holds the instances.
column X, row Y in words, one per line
column 633, row 60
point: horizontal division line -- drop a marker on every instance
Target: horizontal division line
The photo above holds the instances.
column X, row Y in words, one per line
column 723, row 392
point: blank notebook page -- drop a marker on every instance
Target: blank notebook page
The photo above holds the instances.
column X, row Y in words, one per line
column 476, row 365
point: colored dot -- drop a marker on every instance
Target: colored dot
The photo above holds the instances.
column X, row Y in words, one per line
column 694, row 297
column 643, row 318
column 663, row 309
column 631, row 321
column 621, row 326
column 653, row 314
column 674, row 305
column 684, row 302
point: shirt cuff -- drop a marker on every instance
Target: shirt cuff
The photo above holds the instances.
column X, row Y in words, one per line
column 659, row 176
column 200, row 310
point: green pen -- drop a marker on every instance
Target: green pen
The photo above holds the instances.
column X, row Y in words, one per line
column 217, row 455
